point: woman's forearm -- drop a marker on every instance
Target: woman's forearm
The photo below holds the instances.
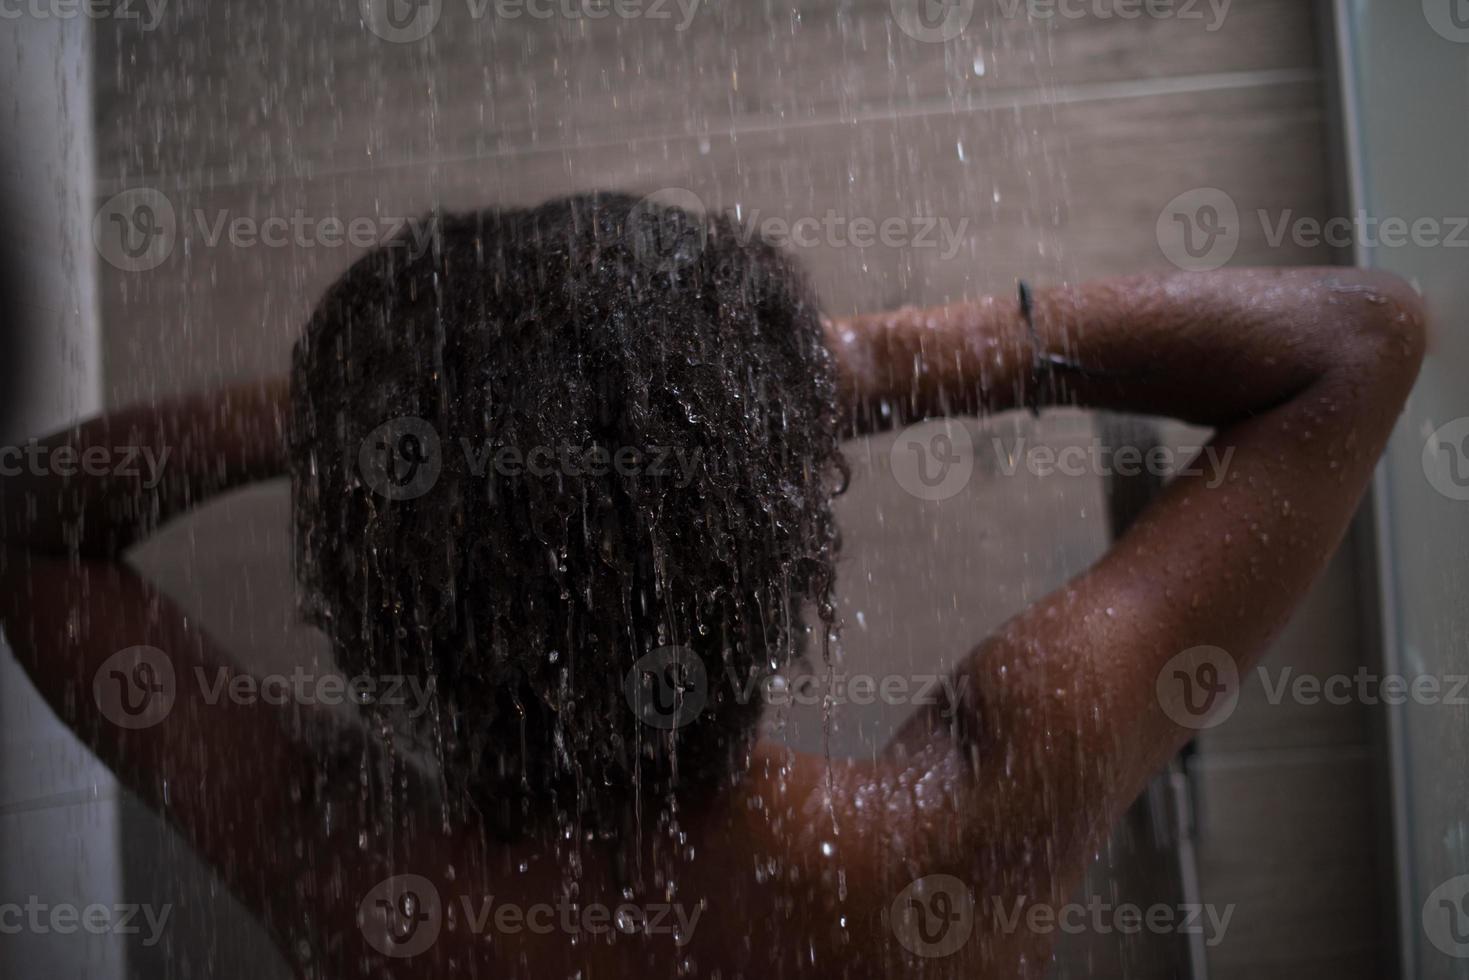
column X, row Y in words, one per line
column 97, row 488
column 1208, row 348
column 1303, row 373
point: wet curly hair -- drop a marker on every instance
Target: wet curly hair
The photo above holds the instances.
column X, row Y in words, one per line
column 527, row 595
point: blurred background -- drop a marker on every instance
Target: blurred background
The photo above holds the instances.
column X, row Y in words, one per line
column 180, row 181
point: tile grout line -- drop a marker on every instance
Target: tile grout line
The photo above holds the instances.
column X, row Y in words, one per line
column 1008, row 99
column 53, row 801
column 1222, row 760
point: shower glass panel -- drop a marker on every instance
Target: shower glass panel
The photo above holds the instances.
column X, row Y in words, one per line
column 1408, row 134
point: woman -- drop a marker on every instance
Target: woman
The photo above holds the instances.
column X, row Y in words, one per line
column 472, row 436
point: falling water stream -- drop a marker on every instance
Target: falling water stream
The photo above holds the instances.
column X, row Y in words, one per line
column 902, row 154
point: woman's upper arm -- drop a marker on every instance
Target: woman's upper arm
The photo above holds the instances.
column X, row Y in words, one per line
column 142, row 686
column 1069, row 709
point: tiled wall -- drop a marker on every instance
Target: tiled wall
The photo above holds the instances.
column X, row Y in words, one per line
column 1056, row 146
column 58, row 805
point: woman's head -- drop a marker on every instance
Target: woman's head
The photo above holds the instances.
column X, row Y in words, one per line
column 558, row 441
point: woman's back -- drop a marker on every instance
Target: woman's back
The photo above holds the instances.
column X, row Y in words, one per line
column 477, row 512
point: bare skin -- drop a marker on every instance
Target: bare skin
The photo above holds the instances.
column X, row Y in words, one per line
column 1011, row 790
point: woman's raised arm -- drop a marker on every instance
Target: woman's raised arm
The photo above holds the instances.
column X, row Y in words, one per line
column 1068, row 710
column 98, row 487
